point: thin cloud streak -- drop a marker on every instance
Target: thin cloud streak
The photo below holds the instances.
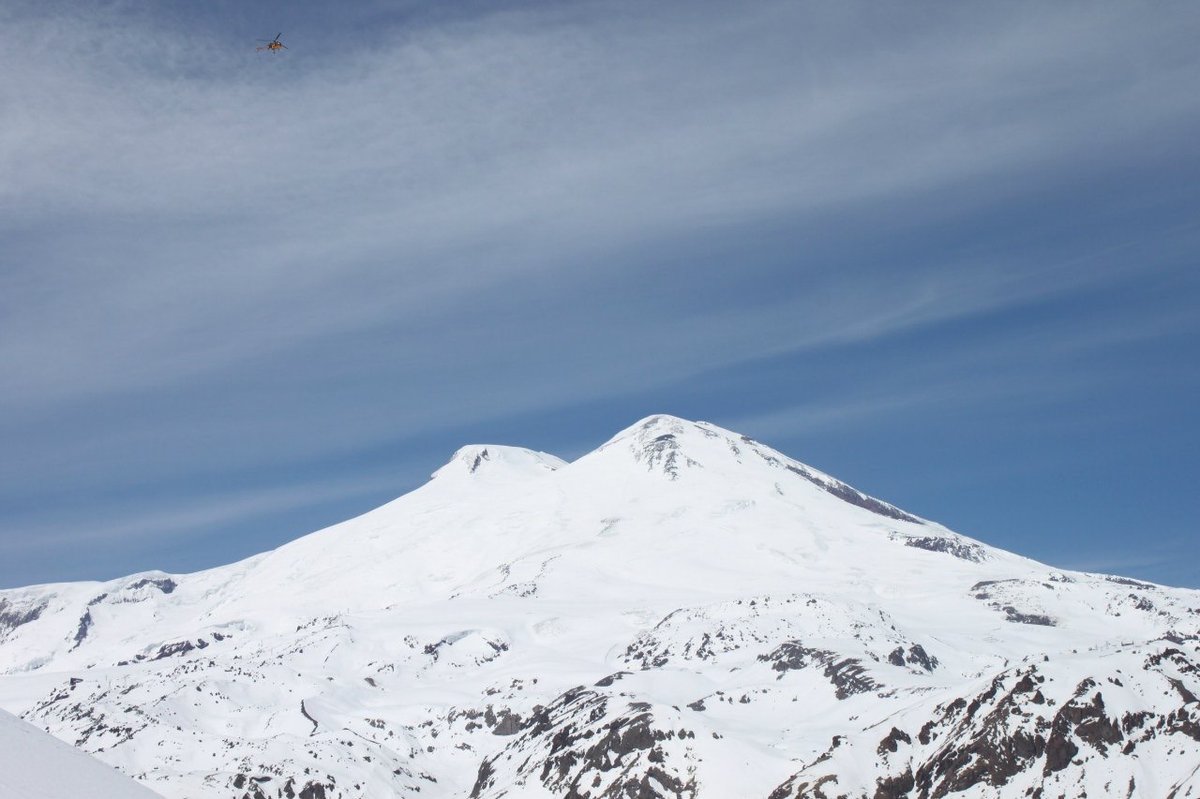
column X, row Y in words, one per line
column 1170, row 557
column 885, row 407
column 723, row 336
column 180, row 522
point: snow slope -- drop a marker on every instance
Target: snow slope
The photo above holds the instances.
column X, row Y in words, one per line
column 683, row 612
column 34, row 765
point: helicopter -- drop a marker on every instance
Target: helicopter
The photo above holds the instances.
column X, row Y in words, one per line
column 273, row 45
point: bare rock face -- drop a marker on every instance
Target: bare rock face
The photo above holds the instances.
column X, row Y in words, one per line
column 1036, row 731
column 15, row 612
column 954, row 546
column 585, row 745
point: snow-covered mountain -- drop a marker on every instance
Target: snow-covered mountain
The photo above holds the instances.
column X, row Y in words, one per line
column 683, row 612
column 34, row 765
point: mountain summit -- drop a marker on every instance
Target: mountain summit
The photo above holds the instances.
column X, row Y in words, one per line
column 683, row 612
column 491, row 461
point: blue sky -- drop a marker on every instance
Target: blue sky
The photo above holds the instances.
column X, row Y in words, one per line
column 945, row 252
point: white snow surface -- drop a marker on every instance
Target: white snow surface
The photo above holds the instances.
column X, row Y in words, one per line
column 34, row 765
column 726, row 609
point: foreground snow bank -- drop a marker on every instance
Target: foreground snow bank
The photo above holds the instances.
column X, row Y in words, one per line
column 36, row 765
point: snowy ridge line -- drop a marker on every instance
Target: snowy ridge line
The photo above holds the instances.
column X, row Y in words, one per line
column 682, row 612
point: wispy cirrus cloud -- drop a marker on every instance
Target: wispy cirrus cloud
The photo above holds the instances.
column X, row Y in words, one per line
column 129, row 526
column 244, row 210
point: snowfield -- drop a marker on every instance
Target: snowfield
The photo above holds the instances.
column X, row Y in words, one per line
column 683, row 612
